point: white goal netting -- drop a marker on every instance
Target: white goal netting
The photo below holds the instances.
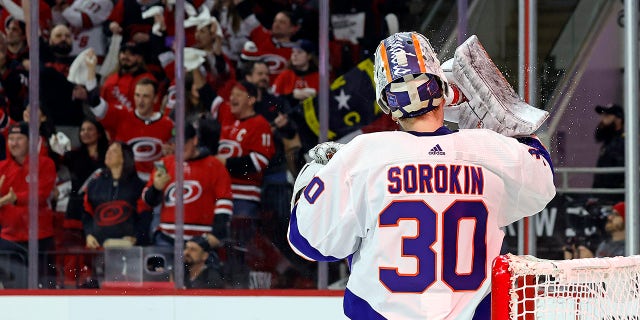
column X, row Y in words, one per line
column 597, row 288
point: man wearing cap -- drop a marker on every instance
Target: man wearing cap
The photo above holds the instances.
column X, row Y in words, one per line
column 119, row 88
column 246, row 146
column 614, row 246
column 276, row 189
column 206, row 189
column 610, row 132
column 200, row 273
column 14, row 192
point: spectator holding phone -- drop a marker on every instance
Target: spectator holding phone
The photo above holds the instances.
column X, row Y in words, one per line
column 206, row 190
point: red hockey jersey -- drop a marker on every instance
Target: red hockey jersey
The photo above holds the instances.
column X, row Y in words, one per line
column 118, row 89
column 276, row 55
column 207, row 192
column 146, row 137
column 247, row 137
column 288, row 80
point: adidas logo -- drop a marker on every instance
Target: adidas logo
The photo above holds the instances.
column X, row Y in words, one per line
column 436, row 150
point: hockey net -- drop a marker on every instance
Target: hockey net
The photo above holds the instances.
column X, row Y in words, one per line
column 525, row 287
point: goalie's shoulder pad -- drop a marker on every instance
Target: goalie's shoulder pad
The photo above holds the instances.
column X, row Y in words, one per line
column 304, row 177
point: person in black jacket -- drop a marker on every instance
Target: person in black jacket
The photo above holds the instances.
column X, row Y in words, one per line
column 82, row 162
column 610, row 132
column 199, row 271
column 111, row 201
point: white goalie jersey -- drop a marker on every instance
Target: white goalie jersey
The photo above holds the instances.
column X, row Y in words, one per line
column 419, row 217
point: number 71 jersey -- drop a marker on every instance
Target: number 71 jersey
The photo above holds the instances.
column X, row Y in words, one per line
column 419, row 217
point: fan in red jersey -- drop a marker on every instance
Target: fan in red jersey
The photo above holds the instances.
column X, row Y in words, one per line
column 246, row 145
column 206, row 192
column 146, row 130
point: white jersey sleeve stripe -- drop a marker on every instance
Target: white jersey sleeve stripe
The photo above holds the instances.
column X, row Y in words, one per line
column 224, row 206
column 100, row 111
column 259, row 161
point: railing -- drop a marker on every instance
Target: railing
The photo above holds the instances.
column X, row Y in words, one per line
column 564, row 173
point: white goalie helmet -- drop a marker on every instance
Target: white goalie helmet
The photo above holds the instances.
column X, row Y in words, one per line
column 408, row 76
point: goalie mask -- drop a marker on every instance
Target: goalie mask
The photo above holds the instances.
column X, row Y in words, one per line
column 408, row 77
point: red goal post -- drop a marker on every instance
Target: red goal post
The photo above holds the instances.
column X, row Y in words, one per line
column 525, row 287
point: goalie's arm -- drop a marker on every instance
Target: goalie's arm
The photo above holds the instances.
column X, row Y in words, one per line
column 320, row 155
column 307, row 173
column 529, row 182
column 324, row 224
column 536, row 148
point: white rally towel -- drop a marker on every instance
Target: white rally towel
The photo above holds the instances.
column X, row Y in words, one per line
column 193, row 58
column 202, row 20
column 60, row 143
column 150, row 13
column 78, row 71
column 111, row 59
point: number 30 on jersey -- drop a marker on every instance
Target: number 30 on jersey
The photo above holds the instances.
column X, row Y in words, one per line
column 420, row 245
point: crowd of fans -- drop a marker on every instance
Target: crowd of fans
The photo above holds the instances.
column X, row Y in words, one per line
column 107, row 108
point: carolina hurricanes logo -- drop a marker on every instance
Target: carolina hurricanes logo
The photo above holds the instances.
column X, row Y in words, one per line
column 146, row 149
column 276, row 63
column 192, row 190
column 229, row 148
column 113, row 213
column 301, row 84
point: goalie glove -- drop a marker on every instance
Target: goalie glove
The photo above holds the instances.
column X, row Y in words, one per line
column 323, row 152
column 320, row 156
column 492, row 103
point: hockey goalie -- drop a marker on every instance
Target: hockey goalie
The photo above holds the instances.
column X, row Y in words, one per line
column 418, row 212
